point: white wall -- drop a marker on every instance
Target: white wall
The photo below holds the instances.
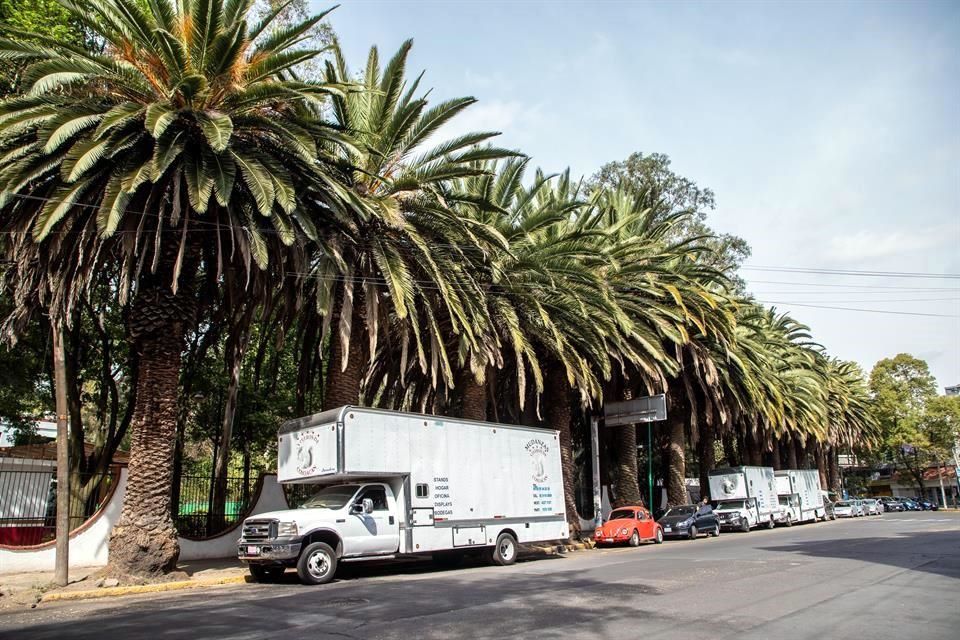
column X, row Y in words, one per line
column 271, row 499
column 89, row 548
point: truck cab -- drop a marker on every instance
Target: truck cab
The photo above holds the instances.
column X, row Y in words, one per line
column 339, row 522
column 789, row 509
column 740, row 514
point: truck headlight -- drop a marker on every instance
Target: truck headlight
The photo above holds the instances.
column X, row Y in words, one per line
column 287, row 530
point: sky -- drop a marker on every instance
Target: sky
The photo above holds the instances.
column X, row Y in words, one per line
column 829, row 132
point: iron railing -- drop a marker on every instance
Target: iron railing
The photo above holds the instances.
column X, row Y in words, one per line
column 28, row 505
column 197, row 515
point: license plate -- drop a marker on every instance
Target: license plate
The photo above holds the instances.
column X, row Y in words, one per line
column 667, row 529
column 253, row 551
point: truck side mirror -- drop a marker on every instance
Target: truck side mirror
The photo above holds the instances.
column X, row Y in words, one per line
column 367, row 505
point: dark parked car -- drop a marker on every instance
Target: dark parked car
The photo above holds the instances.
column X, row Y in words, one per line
column 891, row 504
column 926, row 505
column 910, row 505
column 688, row 521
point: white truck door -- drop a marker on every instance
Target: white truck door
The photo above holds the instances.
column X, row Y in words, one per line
column 377, row 532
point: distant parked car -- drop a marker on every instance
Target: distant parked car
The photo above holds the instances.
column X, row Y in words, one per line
column 857, row 504
column 891, row 504
column 910, row 505
column 926, row 505
column 630, row 525
column 844, row 509
column 872, row 507
column 689, row 520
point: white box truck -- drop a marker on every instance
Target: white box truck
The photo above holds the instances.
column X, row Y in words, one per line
column 800, row 497
column 745, row 497
column 392, row 484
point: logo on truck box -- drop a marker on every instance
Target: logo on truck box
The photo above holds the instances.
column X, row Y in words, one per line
column 538, row 450
column 306, row 459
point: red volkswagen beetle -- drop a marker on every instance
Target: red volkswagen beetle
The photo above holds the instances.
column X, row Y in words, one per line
column 630, row 525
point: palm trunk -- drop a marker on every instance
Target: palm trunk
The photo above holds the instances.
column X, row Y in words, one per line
column 754, row 449
column 791, row 452
column 708, row 461
column 474, row 399
column 623, row 441
column 343, row 382
column 730, row 449
column 835, row 484
column 625, row 482
column 558, row 416
column 801, row 454
column 775, row 460
column 144, row 541
column 676, row 461
column 823, row 465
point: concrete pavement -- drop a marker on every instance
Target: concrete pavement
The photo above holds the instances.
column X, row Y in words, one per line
column 896, row 576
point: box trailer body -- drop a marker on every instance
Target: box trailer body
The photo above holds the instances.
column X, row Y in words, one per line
column 804, row 487
column 745, row 497
column 437, row 484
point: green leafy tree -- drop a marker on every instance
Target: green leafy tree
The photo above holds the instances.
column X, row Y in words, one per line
column 45, row 17
column 901, row 388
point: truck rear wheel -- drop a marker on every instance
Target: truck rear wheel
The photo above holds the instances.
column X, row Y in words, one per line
column 317, row 564
column 505, row 551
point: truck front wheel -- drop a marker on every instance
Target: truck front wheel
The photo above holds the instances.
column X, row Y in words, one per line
column 745, row 525
column 505, row 551
column 317, row 564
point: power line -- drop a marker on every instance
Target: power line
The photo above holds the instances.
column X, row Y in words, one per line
column 882, row 301
column 857, row 285
column 855, row 273
column 897, row 313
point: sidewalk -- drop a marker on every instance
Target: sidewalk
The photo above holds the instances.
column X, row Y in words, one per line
column 28, row 589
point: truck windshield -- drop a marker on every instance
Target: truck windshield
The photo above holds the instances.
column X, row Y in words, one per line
column 731, row 504
column 331, row 497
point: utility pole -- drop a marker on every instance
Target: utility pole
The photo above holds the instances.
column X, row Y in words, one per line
column 595, row 443
column 943, row 493
column 61, row 575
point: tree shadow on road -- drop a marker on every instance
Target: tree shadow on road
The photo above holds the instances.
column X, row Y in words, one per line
column 935, row 552
column 448, row 605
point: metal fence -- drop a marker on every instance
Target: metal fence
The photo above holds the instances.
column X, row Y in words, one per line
column 28, row 505
column 196, row 516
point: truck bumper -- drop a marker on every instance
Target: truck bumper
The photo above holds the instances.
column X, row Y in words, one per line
column 267, row 551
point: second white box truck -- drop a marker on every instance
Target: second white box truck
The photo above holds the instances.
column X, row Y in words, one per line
column 745, row 497
column 800, row 496
column 392, row 483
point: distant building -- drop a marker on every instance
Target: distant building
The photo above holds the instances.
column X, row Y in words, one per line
column 953, row 391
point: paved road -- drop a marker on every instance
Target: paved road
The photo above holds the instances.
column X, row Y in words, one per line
column 896, row 576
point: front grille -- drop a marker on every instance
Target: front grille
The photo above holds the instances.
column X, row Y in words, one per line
column 259, row 530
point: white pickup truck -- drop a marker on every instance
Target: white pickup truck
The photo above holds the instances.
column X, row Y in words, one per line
column 745, row 497
column 800, row 496
column 392, row 484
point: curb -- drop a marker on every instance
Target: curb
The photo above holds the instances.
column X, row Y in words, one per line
column 108, row 592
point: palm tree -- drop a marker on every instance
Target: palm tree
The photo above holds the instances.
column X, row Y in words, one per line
column 406, row 243
column 185, row 151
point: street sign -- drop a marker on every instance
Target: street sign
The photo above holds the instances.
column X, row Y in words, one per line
column 645, row 409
